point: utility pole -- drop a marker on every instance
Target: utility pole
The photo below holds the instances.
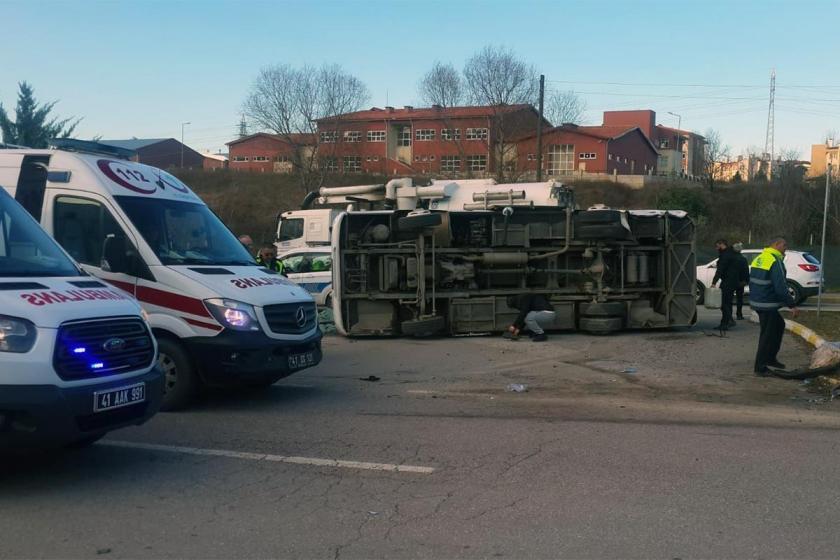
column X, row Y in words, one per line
column 770, row 139
column 182, row 143
column 822, row 248
column 539, row 129
column 243, row 128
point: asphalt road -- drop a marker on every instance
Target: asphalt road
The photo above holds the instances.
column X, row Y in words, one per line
column 656, row 444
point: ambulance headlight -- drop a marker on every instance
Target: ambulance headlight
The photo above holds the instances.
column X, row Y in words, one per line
column 16, row 335
column 233, row 314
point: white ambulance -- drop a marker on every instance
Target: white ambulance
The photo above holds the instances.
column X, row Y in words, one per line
column 219, row 318
column 77, row 359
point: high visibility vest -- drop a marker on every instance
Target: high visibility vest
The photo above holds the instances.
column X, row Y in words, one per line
column 768, row 289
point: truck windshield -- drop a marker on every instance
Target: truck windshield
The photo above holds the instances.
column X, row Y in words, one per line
column 25, row 249
column 184, row 232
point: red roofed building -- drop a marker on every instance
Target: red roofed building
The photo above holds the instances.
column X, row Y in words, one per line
column 680, row 152
column 269, row 153
column 435, row 140
column 569, row 149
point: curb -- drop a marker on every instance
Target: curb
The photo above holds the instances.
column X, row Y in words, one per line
column 807, row 334
column 799, row 329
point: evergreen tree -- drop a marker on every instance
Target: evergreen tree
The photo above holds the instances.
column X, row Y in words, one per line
column 33, row 127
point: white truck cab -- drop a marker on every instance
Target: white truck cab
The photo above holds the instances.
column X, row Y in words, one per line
column 219, row 318
column 77, row 359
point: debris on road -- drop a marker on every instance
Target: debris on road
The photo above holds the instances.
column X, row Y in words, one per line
column 369, row 378
column 630, row 370
column 517, row 388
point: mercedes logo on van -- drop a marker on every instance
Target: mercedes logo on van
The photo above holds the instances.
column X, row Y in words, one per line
column 113, row 345
column 300, row 316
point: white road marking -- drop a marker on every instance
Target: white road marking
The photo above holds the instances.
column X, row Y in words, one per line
column 338, row 463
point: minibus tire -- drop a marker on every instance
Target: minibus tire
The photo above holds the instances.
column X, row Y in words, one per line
column 186, row 383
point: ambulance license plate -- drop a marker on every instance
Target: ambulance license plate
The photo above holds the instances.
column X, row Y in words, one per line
column 300, row 361
column 118, row 398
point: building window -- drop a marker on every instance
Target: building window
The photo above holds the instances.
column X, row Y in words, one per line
column 431, row 158
column 450, row 133
column 260, row 158
column 352, row 164
column 283, row 159
column 532, row 157
column 625, row 159
column 450, row 164
column 352, row 136
column 376, row 136
column 416, row 158
column 477, row 163
column 587, row 155
column 329, row 137
column 329, row 164
column 367, row 158
column 477, row 134
column 375, row 158
column 663, row 143
column 609, row 157
column 240, row 158
column 561, row 159
column 424, row 134
column 404, row 136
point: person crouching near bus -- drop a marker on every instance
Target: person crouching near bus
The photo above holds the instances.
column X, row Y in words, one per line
column 535, row 313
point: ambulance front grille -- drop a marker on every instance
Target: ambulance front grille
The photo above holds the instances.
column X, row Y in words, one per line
column 99, row 348
column 291, row 318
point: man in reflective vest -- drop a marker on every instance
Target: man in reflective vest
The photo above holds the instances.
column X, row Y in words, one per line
column 268, row 259
column 768, row 294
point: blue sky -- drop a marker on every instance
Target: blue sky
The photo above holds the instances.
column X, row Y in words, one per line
column 142, row 68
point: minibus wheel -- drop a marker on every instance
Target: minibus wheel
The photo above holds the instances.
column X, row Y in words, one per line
column 180, row 383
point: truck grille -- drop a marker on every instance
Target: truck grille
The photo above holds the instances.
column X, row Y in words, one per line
column 285, row 318
column 88, row 349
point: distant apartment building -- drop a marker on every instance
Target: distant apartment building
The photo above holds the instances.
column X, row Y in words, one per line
column 270, row 153
column 821, row 156
column 680, row 152
column 435, row 140
column 746, row 168
column 570, row 149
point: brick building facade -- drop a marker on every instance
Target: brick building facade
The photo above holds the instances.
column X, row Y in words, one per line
column 569, row 148
column 435, row 140
column 269, row 153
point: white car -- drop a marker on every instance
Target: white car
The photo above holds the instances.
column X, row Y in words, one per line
column 311, row 269
column 803, row 274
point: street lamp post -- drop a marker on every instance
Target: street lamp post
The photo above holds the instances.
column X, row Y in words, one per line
column 679, row 134
column 182, row 142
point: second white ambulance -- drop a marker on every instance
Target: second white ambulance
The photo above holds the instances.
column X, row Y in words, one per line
column 218, row 317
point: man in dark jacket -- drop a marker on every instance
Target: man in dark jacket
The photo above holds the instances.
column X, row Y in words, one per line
column 535, row 313
column 743, row 279
column 768, row 294
column 727, row 273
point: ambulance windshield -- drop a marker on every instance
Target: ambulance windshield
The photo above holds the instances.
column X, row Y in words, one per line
column 25, row 249
column 184, row 233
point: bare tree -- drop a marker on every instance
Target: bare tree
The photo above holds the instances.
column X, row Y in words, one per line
column 788, row 168
column 288, row 101
column 715, row 153
column 442, row 85
column 496, row 77
column 565, row 107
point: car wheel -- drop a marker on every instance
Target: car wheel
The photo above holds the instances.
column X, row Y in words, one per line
column 701, row 294
column 180, row 381
column 795, row 292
